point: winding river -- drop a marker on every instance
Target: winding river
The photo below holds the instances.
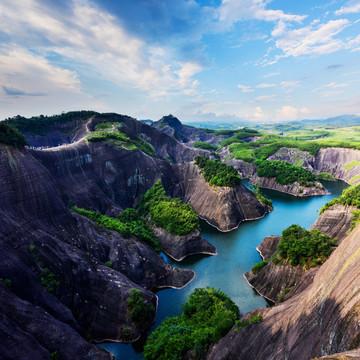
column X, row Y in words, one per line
column 236, row 255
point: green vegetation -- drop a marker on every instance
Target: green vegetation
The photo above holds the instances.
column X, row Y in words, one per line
column 269, row 145
column 349, row 196
column 263, row 199
column 37, row 125
column 351, row 165
column 54, row 355
column 217, row 173
column 207, row 316
column 325, row 176
column 304, row 247
column 113, row 134
column 169, row 213
column 6, row 282
column 354, row 178
column 282, row 295
column 47, row 278
column 284, row 172
column 244, row 323
column 139, row 310
column 205, row 146
column 129, row 223
column 11, row 136
column 238, row 137
column 355, row 219
column 109, row 264
column 259, row 266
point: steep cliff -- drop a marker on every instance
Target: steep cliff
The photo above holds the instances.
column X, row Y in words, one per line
column 343, row 164
column 293, row 156
column 178, row 247
column 321, row 320
column 56, row 259
column 222, row 207
column 335, row 221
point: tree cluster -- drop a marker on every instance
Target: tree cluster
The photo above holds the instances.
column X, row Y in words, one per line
column 349, row 196
column 169, row 213
column 11, row 136
column 217, row 173
column 129, row 223
column 304, row 247
column 207, row 316
column 285, row 173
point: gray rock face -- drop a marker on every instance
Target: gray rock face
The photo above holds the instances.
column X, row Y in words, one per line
column 223, row 208
column 293, row 156
column 335, row 222
column 178, row 247
column 28, row 331
column 322, row 318
column 343, row 164
column 89, row 298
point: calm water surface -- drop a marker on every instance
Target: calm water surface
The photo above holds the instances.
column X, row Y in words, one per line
column 236, row 255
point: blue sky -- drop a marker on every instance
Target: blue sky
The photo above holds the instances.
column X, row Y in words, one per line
column 225, row 60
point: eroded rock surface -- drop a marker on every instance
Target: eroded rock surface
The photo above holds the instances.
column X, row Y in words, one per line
column 335, row 221
column 321, row 320
column 223, row 208
column 178, row 247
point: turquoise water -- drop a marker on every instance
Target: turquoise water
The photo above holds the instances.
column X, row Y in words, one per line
column 236, row 255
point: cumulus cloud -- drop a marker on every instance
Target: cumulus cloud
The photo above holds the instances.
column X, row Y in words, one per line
column 287, row 112
column 94, row 38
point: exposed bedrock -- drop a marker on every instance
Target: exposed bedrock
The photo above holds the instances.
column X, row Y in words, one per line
column 28, row 331
column 223, row 208
column 294, row 156
column 335, row 221
column 294, row 189
column 321, row 320
column 178, row 247
column 273, row 279
column 43, row 241
column 343, row 164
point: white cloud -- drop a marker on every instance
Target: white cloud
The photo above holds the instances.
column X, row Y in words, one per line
column 271, row 74
column 265, row 85
column 289, row 86
column 232, row 11
column 335, row 85
column 96, row 41
column 287, row 113
column 262, row 97
column 21, row 69
column 258, row 114
column 245, row 89
column 350, row 8
column 312, row 41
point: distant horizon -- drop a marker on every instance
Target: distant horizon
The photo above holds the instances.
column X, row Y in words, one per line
column 204, row 60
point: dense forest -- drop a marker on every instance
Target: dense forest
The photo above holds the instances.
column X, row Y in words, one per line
column 285, row 173
column 169, row 213
column 299, row 246
column 207, row 316
column 217, row 173
column 11, row 136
